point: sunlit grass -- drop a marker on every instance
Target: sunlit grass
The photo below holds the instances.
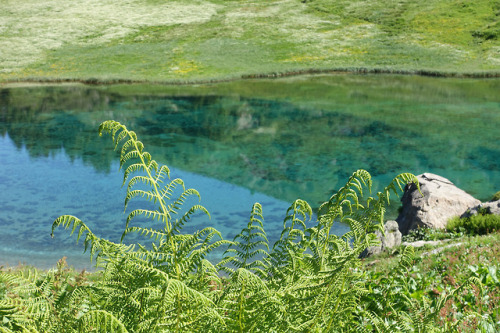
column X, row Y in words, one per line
column 150, row 40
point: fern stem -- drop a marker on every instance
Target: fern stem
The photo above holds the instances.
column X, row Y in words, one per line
column 328, row 227
column 241, row 309
column 160, row 305
column 179, row 312
column 155, row 186
column 168, row 227
column 337, row 303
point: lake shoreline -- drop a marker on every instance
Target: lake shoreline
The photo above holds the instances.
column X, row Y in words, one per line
column 270, row 75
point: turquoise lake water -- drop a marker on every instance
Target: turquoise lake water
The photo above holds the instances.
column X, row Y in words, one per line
column 267, row 141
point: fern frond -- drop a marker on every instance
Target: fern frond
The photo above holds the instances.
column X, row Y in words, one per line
column 150, row 196
column 22, row 283
column 177, row 225
column 346, row 195
column 249, row 243
column 167, row 191
column 299, row 212
column 174, row 208
column 133, row 154
column 148, row 232
column 140, row 179
column 206, row 245
column 152, row 214
column 101, row 321
column 184, row 195
column 245, row 300
column 184, row 308
column 163, row 173
column 293, row 241
column 69, row 221
column 206, row 279
column 111, row 127
column 130, row 170
column 399, row 182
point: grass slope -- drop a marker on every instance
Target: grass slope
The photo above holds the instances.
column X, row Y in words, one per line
column 159, row 40
column 438, row 273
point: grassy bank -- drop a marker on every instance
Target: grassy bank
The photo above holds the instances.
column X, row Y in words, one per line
column 436, row 274
column 194, row 40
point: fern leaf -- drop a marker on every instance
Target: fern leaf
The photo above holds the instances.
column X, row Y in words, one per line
column 298, row 212
column 149, row 232
column 101, row 321
column 177, row 225
column 168, row 190
column 249, row 243
column 130, row 170
column 139, row 179
column 153, row 214
column 69, row 221
column 175, row 206
column 163, row 173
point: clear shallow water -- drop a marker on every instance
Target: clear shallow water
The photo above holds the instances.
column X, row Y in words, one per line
column 239, row 143
column 50, row 186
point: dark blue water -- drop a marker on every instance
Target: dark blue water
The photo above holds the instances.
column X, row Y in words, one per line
column 260, row 141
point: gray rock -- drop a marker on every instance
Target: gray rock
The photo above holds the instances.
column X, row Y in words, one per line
column 491, row 207
column 391, row 239
column 441, row 201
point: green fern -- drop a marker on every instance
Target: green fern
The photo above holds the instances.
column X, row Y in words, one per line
column 100, row 321
column 287, row 258
column 311, row 279
column 249, row 244
column 143, row 279
column 153, row 175
column 248, row 303
column 47, row 302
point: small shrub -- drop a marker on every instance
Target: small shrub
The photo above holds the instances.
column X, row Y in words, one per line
column 430, row 234
column 417, row 235
column 476, row 224
column 495, row 196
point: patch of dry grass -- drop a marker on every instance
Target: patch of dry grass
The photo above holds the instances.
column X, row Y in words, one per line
column 32, row 27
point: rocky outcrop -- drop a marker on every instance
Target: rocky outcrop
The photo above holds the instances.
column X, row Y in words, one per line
column 439, row 201
column 391, row 239
column 492, row 207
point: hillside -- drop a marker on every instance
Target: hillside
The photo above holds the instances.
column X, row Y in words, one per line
column 160, row 40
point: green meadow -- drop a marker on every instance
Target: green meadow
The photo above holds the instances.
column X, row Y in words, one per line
column 194, row 40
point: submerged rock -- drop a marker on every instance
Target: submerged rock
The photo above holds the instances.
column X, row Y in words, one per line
column 391, row 239
column 441, row 201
